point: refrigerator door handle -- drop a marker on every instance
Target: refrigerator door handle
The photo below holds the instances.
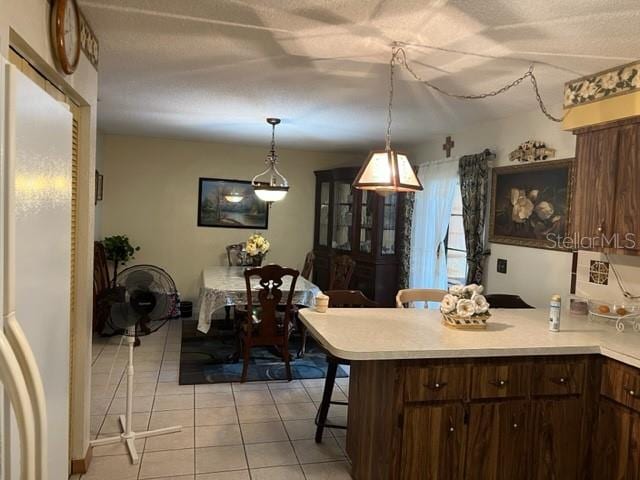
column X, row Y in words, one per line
column 17, row 392
column 35, row 388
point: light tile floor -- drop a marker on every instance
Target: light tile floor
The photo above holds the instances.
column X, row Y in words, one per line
column 251, row 431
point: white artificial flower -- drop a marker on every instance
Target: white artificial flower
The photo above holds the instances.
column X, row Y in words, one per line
column 466, row 308
column 544, row 210
column 627, row 73
column 522, row 210
column 448, row 303
column 472, row 289
column 569, row 96
column 610, row 80
column 456, row 290
column 588, row 89
column 480, row 302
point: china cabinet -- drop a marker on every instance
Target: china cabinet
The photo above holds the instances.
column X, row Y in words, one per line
column 361, row 224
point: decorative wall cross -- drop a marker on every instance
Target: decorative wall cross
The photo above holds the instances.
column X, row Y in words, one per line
column 448, row 145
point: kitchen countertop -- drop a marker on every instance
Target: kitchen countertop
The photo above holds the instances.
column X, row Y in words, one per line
column 395, row 334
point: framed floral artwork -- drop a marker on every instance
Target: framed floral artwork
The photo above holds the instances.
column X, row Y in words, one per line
column 531, row 204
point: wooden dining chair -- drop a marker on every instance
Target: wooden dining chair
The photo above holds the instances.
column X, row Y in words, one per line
column 263, row 323
column 307, row 269
column 101, row 285
column 409, row 296
column 502, row 300
column 337, row 299
column 340, row 272
column 233, row 251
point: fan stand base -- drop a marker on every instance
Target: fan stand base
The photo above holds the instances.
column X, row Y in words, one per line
column 129, row 439
column 128, row 436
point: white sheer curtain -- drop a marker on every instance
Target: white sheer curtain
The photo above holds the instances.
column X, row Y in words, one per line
column 431, row 214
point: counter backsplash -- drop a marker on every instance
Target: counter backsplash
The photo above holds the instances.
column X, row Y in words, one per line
column 595, row 278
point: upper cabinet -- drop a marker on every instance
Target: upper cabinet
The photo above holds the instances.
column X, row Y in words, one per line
column 607, row 195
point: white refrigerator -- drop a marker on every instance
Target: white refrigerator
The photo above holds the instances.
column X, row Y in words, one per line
column 35, row 152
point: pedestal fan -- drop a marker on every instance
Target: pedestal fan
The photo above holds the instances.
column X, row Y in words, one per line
column 145, row 300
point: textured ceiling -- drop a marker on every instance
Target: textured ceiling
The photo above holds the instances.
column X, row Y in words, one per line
column 214, row 69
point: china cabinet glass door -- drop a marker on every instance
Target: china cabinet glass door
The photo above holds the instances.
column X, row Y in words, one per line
column 389, row 214
column 367, row 212
column 342, row 215
column 323, row 224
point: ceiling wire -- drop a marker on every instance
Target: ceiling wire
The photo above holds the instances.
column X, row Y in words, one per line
column 399, row 55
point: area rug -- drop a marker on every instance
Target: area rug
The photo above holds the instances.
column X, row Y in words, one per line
column 204, row 358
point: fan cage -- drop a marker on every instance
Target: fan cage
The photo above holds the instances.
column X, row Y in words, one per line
column 132, row 282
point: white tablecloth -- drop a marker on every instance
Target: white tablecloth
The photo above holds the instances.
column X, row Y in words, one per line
column 224, row 286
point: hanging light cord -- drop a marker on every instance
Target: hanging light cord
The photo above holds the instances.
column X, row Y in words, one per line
column 272, row 155
column 399, row 55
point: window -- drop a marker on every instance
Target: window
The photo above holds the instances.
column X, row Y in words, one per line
column 456, row 249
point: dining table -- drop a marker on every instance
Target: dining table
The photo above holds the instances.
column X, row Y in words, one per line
column 225, row 286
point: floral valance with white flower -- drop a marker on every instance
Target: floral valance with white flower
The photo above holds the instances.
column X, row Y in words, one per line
column 615, row 81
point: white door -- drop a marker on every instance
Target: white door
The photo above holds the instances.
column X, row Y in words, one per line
column 43, row 131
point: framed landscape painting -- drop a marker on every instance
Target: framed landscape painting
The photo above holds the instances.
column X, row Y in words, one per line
column 230, row 204
column 531, row 203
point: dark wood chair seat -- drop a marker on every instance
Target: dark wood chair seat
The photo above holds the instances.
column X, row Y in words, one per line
column 337, row 299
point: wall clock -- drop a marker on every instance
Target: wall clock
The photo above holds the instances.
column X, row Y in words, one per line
column 65, row 34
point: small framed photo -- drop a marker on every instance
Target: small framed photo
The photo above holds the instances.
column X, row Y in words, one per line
column 531, row 204
column 99, row 186
column 230, row 204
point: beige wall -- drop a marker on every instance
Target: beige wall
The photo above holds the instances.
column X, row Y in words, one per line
column 151, row 190
column 532, row 273
column 25, row 23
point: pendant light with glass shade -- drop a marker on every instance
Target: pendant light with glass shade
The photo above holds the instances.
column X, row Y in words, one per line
column 388, row 170
column 271, row 185
column 234, row 197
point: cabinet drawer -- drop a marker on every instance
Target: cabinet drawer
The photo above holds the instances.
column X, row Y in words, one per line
column 558, row 378
column 424, row 384
column 499, row 380
column 621, row 383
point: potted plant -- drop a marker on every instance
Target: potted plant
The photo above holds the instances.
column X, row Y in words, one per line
column 119, row 251
column 257, row 247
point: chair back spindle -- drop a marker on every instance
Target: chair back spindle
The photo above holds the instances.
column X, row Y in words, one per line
column 307, row 269
column 340, row 272
column 266, row 323
column 233, row 254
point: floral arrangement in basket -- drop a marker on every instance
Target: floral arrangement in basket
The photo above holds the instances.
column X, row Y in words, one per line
column 465, row 307
column 257, row 247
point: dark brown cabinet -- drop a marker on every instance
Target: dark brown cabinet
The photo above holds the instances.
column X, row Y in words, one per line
column 361, row 224
column 606, row 197
column 438, row 454
column 617, row 445
column 557, row 441
column 478, row 419
column 497, row 446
